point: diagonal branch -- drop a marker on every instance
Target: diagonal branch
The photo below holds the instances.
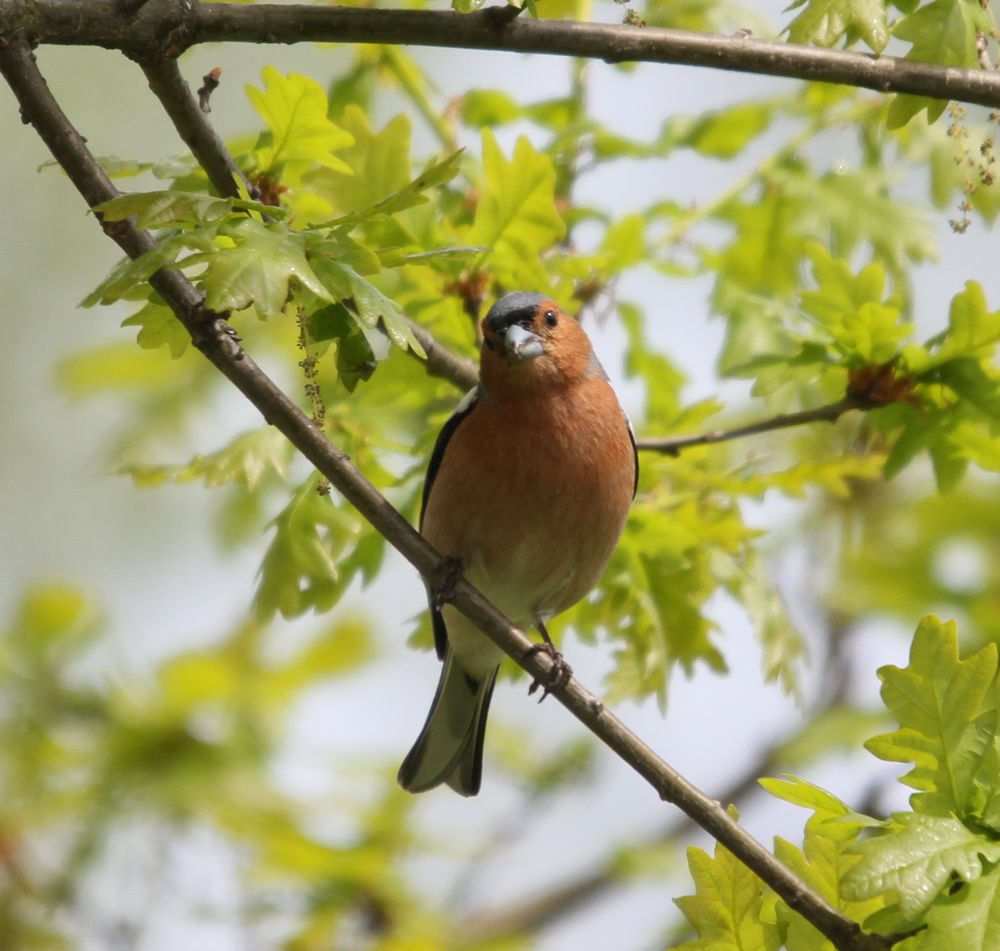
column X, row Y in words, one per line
column 210, row 335
column 192, row 125
column 544, row 906
column 171, row 26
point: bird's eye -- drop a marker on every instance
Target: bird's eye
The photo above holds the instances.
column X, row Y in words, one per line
column 550, row 318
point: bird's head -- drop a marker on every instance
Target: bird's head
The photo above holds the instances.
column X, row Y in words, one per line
column 529, row 341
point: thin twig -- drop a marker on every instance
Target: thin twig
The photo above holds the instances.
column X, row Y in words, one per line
column 210, row 336
column 444, row 363
column 441, row 361
column 173, row 26
column 191, row 122
column 831, row 412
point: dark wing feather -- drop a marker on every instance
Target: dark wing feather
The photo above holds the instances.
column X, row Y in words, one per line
column 598, row 369
column 467, row 405
column 635, row 453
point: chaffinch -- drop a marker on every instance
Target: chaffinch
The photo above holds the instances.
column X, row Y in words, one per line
column 527, row 489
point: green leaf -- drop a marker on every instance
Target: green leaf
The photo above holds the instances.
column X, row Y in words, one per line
column 294, row 107
column 373, row 308
column 53, row 616
column 831, row 818
column 768, row 245
column 300, row 571
column 355, row 358
column 977, row 446
column 967, row 917
column 376, row 165
column 824, row 22
column 821, row 865
column 917, row 860
column 259, row 269
column 725, row 911
column 973, row 330
column 246, row 460
column 662, row 379
column 941, row 32
column 946, row 728
column 516, row 214
column 722, row 134
column 116, row 367
column 783, row 649
column 945, row 32
column 488, row 108
column 159, row 327
column 341, row 648
column 408, row 196
column 159, row 209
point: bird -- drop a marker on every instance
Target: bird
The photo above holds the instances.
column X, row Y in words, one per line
column 527, row 492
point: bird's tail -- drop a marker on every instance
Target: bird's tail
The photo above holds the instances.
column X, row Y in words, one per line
column 450, row 746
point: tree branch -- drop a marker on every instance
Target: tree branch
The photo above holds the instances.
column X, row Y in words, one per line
column 171, row 26
column 544, row 906
column 210, row 335
column 449, row 366
column 192, row 125
column 831, row 412
column 443, row 362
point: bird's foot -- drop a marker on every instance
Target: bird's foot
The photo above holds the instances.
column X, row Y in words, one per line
column 559, row 673
column 445, row 579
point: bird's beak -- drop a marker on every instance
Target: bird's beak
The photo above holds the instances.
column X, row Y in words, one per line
column 522, row 344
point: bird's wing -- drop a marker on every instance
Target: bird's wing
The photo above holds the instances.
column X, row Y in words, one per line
column 635, row 453
column 463, row 409
column 598, row 368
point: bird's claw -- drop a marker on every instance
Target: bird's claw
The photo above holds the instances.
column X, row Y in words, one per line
column 443, row 585
column 559, row 673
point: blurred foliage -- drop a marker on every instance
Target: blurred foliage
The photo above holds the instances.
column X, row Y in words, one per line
column 353, row 236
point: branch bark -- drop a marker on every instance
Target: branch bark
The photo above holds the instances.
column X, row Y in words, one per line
column 171, row 26
column 211, row 336
column 830, row 413
column 165, row 80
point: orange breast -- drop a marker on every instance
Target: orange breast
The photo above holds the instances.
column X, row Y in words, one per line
column 532, row 496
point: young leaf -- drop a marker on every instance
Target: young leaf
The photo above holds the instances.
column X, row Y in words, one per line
column 941, row 32
column 371, row 305
column 821, row 863
column 245, row 460
column 516, row 214
column 162, row 208
column 300, row 571
column 968, row 917
column 159, row 327
column 824, row 22
column 917, row 860
column 295, row 110
column 259, row 269
column 725, row 911
column 946, row 722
